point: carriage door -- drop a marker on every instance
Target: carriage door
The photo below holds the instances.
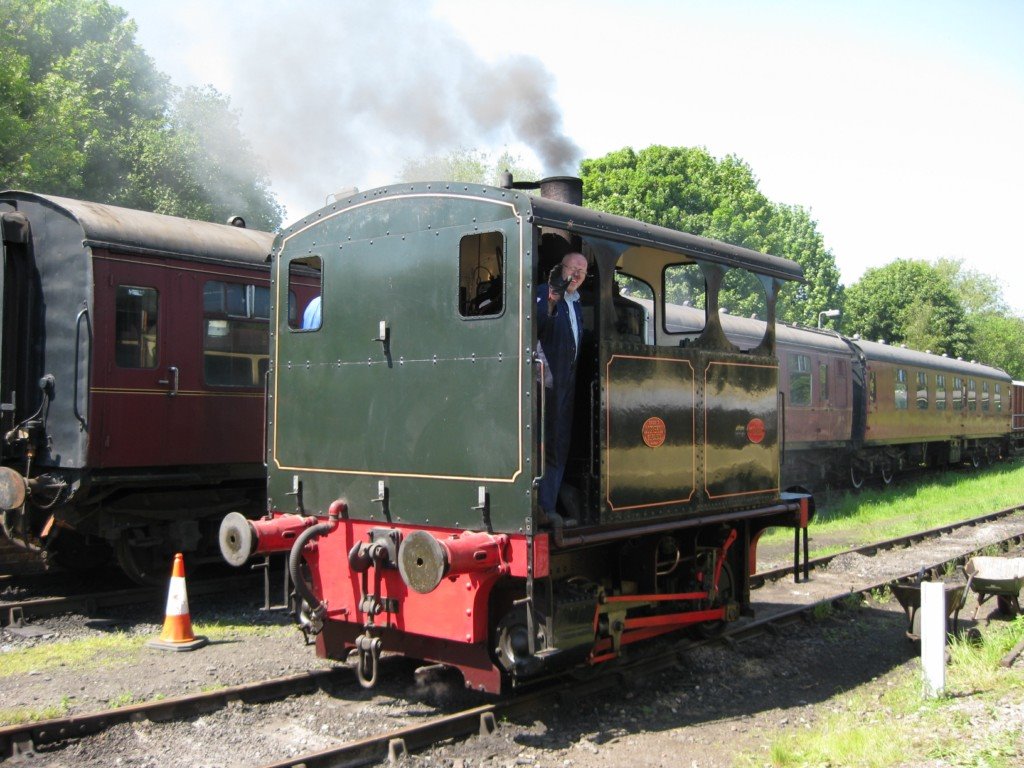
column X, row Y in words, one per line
column 139, row 408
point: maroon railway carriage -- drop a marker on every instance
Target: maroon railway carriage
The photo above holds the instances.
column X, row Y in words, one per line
column 855, row 409
column 1017, row 415
column 134, row 353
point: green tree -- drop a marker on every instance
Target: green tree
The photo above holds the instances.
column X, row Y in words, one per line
column 687, row 189
column 997, row 336
column 909, row 302
column 198, row 164
column 998, row 340
column 84, row 113
column 467, row 165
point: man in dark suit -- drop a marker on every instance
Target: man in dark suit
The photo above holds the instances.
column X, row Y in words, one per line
column 559, row 330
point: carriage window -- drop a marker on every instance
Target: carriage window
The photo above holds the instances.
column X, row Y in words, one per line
column 900, row 389
column 984, row 396
column 135, row 327
column 958, row 393
column 872, row 388
column 685, row 299
column 823, row 382
column 799, row 380
column 940, row 392
column 235, row 333
column 481, row 278
column 634, row 308
column 305, row 289
column 998, row 397
column 972, row 396
column 922, row 391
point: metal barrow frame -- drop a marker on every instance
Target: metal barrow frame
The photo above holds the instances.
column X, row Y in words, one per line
column 909, row 597
column 1001, row 577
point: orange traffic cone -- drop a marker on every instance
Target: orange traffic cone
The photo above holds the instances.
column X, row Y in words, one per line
column 177, row 633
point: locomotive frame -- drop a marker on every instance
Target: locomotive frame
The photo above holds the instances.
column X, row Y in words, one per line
column 404, row 437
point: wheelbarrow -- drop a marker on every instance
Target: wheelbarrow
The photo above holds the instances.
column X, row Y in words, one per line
column 999, row 577
column 909, row 597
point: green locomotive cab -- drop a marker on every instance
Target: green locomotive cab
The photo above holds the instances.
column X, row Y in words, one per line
column 406, row 420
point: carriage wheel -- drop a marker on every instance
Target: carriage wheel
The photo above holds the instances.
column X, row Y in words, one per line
column 887, row 473
column 75, row 552
column 856, row 477
column 975, row 459
column 141, row 560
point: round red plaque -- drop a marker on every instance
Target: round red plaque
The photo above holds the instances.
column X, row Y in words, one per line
column 755, row 430
column 653, row 432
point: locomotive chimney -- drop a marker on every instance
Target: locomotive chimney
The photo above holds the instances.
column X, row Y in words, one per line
column 567, row 189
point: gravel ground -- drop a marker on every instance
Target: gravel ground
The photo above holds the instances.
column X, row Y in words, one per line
column 718, row 703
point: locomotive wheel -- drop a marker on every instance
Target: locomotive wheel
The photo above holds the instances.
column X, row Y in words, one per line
column 141, row 561
column 726, row 594
column 856, row 477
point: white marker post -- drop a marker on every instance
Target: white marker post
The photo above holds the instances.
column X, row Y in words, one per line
column 933, row 637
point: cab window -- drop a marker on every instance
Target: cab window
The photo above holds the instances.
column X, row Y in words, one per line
column 305, row 289
column 685, row 297
column 481, row 274
column 634, row 308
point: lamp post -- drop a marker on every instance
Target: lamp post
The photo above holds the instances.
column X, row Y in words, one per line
column 827, row 313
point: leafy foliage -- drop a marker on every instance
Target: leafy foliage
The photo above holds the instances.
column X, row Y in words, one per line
column 909, row 302
column 940, row 307
column 467, row 165
column 687, row 189
column 84, row 113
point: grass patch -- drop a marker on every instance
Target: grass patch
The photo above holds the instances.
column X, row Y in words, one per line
column 20, row 715
column 878, row 727
column 82, row 653
column 852, row 519
column 115, row 649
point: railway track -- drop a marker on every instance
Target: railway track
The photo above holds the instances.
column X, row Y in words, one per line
column 24, row 739
column 16, row 613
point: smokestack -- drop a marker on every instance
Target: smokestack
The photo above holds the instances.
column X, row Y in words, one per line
column 567, row 189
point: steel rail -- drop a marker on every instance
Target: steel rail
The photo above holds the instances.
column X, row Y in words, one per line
column 14, row 612
column 774, row 574
column 22, row 739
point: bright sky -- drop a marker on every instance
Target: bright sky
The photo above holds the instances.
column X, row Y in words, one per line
column 899, row 125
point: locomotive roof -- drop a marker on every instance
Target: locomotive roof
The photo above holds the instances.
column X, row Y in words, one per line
column 130, row 230
column 586, row 221
column 578, row 220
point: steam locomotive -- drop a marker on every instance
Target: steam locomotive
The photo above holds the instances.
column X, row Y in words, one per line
column 405, row 434
column 133, row 358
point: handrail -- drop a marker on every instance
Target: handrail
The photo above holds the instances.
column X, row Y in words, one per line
column 83, row 312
